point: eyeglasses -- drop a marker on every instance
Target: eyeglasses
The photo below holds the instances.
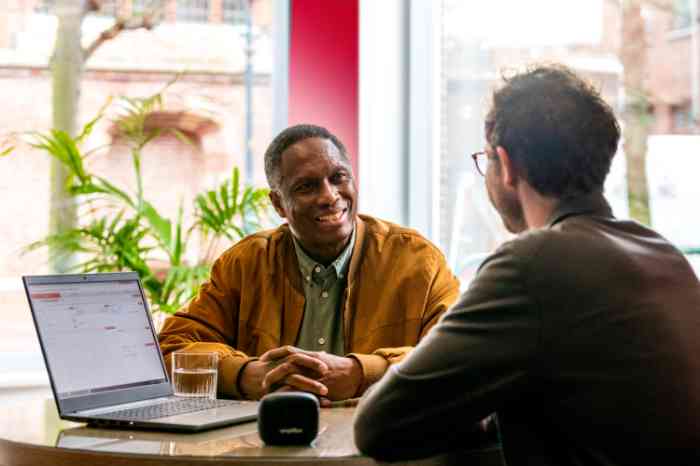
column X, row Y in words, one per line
column 481, row 161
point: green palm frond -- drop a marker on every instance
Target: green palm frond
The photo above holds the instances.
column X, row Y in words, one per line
column 90, row 125
column 122, row 230
column 226, row 211
column 111, row 244
column 61, row 146
column 169, row 236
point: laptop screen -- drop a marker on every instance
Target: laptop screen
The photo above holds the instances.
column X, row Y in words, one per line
column 96, row 335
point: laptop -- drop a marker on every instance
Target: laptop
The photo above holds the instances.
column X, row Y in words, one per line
column 103, row 358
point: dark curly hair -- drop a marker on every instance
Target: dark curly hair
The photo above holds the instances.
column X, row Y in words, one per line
column 559, row 132
column 289, row 137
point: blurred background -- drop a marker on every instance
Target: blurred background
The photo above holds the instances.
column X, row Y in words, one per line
column 404, row 83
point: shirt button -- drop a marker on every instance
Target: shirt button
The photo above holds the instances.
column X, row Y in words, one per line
column 321, row 341
column 324, row 294
column 317, row 269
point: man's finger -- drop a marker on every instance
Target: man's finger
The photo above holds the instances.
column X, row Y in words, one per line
column 277, row 375
column 276, row 388
column 296, row 383
column 325, row 402
column 305, row 384
column 295, row 364
column 309, row 362
column 278, row 353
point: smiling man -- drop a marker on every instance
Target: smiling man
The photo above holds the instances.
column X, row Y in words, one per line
column 324, row 303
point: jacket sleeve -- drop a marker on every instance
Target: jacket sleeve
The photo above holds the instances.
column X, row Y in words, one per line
column 210, row 323
column 442, row 292
column 473, row 362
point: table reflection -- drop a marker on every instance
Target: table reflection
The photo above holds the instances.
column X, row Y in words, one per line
column 334, row 439
column 32, row 433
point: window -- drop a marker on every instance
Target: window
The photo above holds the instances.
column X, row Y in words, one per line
column 235, row 11
column 479, row 41
column 681, row 14
column 108, row 8
column 196, row 11
column 682, row 118
column 45, row 6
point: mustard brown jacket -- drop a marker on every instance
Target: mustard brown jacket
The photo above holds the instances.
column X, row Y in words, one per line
column 398, row 286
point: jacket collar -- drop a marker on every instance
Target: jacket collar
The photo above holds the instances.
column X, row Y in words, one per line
column 358, row 251
column 290, row 266
column 590, row 204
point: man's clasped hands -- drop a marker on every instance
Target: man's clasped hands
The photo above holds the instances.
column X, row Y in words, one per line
column 289, row 368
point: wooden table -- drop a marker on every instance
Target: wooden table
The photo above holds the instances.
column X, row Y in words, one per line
column 32, row 434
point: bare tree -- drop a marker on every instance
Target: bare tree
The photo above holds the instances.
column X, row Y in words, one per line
column 636, row 117
column 67, row 64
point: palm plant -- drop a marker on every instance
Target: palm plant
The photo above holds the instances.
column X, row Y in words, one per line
column 121, row 230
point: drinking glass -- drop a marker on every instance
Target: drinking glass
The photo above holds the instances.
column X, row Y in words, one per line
column 194, row 374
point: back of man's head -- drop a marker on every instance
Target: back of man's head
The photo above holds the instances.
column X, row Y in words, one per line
column 559, row 132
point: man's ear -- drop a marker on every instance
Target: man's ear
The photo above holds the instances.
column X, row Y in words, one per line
column 508, row 173
column 276, row 200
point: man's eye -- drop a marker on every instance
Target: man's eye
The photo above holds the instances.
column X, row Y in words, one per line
column 304, row 187
column 340, row 177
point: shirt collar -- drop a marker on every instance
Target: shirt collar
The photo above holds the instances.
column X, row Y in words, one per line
column 593, row 203
column 340, row 264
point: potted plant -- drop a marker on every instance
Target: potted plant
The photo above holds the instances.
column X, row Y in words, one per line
column 121, row 230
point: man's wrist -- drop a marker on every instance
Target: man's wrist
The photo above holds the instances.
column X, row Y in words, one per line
column 239, row 379
column 357, row 375
column 373, row 368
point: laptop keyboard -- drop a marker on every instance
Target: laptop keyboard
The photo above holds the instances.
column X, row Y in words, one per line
column 169, row 408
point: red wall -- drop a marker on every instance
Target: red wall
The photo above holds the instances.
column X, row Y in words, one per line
column 323, row 67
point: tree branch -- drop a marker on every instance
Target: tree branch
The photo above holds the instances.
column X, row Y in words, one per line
column 147, row 21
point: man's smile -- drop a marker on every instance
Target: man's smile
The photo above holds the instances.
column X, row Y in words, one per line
column 334, row 218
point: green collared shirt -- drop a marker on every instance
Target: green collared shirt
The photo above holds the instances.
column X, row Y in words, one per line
column 322, row 327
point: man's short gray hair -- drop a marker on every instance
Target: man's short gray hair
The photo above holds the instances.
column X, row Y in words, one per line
column 289, row 137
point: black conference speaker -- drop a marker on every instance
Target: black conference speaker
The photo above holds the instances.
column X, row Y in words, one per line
column 288, row 418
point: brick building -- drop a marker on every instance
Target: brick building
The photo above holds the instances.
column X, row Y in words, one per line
column 670, row 63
